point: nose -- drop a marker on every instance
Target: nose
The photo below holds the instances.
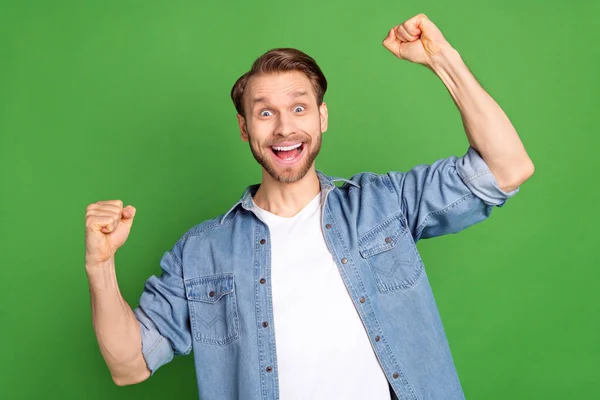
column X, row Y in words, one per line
column 285, row 125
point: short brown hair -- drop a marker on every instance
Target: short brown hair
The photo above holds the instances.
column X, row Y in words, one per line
column 281, row 60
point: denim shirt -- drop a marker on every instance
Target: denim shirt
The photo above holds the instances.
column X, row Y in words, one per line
column 214, row 292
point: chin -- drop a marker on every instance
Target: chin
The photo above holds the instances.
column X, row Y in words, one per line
column 288, row 175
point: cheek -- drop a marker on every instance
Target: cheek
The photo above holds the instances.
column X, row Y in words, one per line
column 315, row 125
column 309, row 124
column 257, row 134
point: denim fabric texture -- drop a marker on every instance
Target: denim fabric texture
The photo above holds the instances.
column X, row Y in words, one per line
column 214, row 292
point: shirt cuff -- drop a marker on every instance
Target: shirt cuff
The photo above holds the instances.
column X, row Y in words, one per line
column 156, row 348
column 479, row 179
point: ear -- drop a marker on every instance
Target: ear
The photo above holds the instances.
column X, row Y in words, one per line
column 324, row 116
column 242, row 125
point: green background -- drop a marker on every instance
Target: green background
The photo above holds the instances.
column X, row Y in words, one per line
column 130, row 100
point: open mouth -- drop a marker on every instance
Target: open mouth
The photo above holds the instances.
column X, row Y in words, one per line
column 288, row 153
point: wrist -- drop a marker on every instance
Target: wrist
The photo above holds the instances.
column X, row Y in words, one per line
column 445, row 61
column 456, row 76
column 101, row 274
column 95, row 265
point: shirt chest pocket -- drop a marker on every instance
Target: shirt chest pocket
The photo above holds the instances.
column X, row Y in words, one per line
column 213, row 309
column 392, row 255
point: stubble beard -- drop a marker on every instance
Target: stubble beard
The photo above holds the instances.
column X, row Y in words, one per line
column 288, row 174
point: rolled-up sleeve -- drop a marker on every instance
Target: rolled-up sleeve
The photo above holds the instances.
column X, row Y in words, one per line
column 479, row 179
column 163, row 314
column 449, row 195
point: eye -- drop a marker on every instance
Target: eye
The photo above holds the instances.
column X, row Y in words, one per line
column 298, row 108
column 266, row 113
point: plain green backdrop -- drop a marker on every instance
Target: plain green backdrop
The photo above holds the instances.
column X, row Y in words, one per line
column 130, row 100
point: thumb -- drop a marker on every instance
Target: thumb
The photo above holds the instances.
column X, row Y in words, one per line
column 390, row 40
column 128, row 214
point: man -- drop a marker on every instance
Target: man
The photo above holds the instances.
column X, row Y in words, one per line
column 303, row 289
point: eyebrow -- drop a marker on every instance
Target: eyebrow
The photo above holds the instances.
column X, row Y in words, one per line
column 297, row 93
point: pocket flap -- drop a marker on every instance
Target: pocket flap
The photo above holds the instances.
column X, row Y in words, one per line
column 209, row 289
column 383, row 237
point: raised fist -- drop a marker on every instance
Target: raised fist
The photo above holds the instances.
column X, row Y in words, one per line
column 416, row 40
column 107, row 226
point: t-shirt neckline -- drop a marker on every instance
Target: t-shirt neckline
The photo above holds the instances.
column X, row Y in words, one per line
column 309, row 209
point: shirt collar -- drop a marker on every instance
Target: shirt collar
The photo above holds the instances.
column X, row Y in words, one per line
column 246, row 202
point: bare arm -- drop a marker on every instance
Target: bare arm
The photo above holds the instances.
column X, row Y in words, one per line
column 488, row 129
column 117, row 329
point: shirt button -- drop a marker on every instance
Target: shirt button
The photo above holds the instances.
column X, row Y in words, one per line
column 344, row 260
column 212, row 294
column 377, row 338
column 395, row 375
column 263, row 241
column 362, row 299
column 265, row 324
column 328, row 226
column 269, row 369
column 388, row 239
column 263, row 280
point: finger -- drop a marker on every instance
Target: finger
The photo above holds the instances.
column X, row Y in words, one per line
column 403, row 35
column 113, row 202
column 104, row 223
column 390, row 39
column 103, row 213
column 128, row 214
column 412, row 28
column 413, row 25
column 104, row 208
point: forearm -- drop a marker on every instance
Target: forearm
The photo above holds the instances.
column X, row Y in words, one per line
column 487, row 127
column 117, row 329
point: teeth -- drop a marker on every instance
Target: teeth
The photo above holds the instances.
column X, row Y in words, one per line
column 287, row 148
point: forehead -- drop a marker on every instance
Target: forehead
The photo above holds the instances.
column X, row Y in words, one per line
column 281, row 86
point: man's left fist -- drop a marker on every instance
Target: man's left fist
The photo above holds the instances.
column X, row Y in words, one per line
column 417, row 40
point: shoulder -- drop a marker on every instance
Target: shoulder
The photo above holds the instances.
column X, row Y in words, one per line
column 367, row 181
column 220, row 223
column 367, row 178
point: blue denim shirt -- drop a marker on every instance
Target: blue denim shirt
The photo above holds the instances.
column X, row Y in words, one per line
column 214, row 292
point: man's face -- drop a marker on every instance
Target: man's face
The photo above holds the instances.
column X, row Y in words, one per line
column 283, row 124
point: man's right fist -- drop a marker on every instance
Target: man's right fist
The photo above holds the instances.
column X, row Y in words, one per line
column 107, row 226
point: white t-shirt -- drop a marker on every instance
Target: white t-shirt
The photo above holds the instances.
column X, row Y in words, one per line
column 323, row 351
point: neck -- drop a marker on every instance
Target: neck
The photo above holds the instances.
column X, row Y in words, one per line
column 286, row 199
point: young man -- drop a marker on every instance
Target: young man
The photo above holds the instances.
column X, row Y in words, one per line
column 303, row 289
